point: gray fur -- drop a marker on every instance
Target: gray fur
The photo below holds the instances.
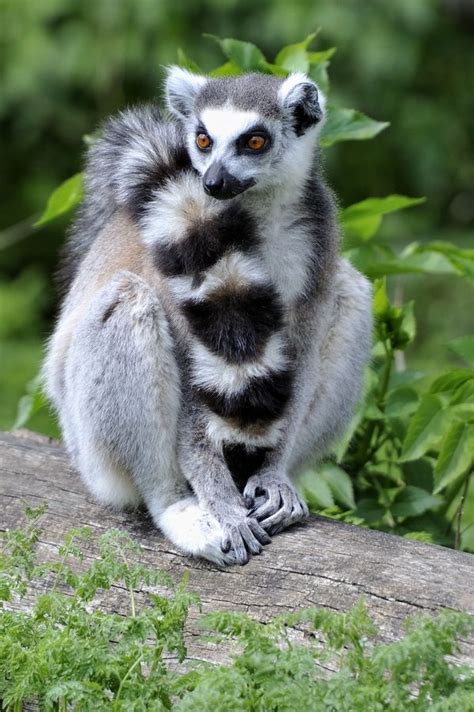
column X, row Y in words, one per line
column 122, row 359
column 250, row 92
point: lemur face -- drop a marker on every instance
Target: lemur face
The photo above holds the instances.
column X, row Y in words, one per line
column 245, row 132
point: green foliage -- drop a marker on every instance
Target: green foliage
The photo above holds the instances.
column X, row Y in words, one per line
column 406, row 463
column 341, row 125
column 64, row 199
column 31, row 403
column 410, row 450
column 61, row 651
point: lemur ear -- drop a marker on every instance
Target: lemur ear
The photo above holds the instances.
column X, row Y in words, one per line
column 181, row 89
column 302, row 99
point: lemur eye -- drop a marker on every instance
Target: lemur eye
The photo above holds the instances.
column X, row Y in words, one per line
column 256, row 143
column 203, row 141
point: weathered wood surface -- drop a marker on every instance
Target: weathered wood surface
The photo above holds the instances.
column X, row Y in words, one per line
column 322, row 563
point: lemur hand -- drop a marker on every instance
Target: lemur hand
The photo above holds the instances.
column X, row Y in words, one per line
column 243, row 536
column 282, row 506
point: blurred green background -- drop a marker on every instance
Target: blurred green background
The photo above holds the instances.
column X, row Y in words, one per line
column 66, row 65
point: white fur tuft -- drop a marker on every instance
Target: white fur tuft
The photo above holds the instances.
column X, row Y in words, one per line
column 193, row 530
column 182, row 88
column 290, row 89
column 219, row 432
column 177, row 206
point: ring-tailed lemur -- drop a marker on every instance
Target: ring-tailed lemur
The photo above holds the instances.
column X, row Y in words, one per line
column 212, row 340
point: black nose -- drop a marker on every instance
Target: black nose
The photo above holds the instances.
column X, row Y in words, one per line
column 213, row 185
column 219, row 183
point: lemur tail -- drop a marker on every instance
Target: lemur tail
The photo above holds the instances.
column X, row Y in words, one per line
column 137, row 153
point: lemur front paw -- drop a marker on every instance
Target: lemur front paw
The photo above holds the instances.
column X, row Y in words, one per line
column 282, row 505
column 243, row 537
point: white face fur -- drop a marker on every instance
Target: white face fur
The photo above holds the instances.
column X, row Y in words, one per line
column 255, row 152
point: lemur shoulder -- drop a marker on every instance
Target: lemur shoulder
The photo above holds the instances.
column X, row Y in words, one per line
column 212, row 341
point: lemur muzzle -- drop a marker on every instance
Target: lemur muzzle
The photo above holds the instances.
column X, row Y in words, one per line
column 221, row 184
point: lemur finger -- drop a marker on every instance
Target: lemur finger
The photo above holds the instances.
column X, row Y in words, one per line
column 258, row 532
column 275, row 522
column 251, row 542
column 237, row 552
column 304, row 508
column 250, row 492
column 270, row 506
column 253, row 490
column 285, row 517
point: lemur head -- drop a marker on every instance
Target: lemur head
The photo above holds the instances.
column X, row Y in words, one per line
column 250, row 131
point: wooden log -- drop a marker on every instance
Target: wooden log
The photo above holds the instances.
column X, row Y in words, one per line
column 322, row 563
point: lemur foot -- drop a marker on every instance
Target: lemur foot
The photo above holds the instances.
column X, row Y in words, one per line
column 198, row 533
column 243, row 537
column 282, row 506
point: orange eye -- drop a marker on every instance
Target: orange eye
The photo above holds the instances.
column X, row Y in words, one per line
column 203, row 141
column 256, row 143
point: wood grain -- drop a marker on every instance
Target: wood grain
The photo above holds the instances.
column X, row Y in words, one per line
column 322, row 563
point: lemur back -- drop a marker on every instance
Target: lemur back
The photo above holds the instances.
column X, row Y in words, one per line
column 232, row 265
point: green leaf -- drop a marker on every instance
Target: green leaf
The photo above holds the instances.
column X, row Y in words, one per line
column 339, row 483
column 229, row 69
column 406, row 327
column 294, row 58
column 425, row 429
column 320, row 57
column 245, row 55
column 369, row 510
column 184, row 61
column 319, row 74
column 401, row 402
column 363, row 219
column 456, row 454
column 348, row 125
column 460, row 260
column 419, row 473
column 315, row 490
column 376, row 263
column 412, row 501
column 30, row 403
column 424, row 259
column 270, row 68
column 65, row 198
column 381, row 304
column 463, row 393
column 463, row 346
column 451, row 380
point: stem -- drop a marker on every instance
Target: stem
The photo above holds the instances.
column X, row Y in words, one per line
column 61, row 567
column 460, row 511
column 129, row 586
column 127, row 674
column 387, row 372
column 132, row 600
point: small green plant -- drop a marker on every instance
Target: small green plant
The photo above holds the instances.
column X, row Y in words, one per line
column 406, row 463
column 61, row 651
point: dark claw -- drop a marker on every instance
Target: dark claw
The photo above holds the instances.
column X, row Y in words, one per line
column 225, row 546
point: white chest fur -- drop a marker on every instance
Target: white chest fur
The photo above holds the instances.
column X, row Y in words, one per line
column 286, row 251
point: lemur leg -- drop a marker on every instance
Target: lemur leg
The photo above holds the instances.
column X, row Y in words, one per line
column 324, row 403
column 211, row 480
column 122, row 390
column 342, row 361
